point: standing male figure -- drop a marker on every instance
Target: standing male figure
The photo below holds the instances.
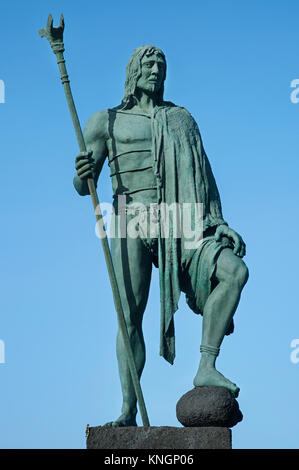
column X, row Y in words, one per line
column 156, row 156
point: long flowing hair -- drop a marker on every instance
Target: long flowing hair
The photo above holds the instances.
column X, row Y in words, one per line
column 134, row 73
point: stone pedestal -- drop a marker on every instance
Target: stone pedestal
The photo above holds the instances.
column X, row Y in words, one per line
column 207, row 414
column 158, row 437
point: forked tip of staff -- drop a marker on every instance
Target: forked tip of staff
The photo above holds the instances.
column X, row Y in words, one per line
column 49, row 29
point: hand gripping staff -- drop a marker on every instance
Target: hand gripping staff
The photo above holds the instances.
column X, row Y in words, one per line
column 55, row 38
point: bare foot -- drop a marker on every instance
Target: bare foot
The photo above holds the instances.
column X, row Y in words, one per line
column 123, row 420
column 211, row 376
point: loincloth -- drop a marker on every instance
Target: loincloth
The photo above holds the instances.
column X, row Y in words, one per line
column 197, row 273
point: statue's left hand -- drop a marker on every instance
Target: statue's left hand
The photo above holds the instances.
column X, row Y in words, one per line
column 239, row 245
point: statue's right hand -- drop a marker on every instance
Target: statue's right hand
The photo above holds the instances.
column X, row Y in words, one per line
column 84, row 165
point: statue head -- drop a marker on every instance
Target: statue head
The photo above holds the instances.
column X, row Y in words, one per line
column 135, row 76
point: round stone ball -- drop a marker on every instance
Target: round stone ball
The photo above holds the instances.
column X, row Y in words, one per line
column 208, row 406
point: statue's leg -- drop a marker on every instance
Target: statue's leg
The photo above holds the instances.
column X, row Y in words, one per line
column 133, row 266
column 231, row 276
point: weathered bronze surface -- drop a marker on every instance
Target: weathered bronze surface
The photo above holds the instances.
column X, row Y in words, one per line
column 156, row 156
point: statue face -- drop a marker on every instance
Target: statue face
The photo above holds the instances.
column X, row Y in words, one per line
column 152, row 73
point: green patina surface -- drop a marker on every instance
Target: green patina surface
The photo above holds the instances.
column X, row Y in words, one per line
column 156, row 155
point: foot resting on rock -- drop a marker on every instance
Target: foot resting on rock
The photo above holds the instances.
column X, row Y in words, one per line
column 211, row 376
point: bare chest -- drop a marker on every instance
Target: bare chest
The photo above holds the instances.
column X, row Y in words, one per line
column 128, row 132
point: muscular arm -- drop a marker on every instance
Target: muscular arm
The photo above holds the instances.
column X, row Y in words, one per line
column 95, row 136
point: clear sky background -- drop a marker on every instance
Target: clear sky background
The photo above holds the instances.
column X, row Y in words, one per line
column 230, row 63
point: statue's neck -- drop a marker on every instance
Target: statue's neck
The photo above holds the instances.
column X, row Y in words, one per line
column 145, row 101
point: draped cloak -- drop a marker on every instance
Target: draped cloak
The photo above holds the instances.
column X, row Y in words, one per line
column 183, row 175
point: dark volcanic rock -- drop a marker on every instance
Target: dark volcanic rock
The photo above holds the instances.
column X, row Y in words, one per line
column 208, row 406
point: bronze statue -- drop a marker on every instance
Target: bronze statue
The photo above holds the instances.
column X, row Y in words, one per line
column 156, row 158
column 157, row 163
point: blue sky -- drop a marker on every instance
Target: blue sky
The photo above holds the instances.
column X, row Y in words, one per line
column 230, row 64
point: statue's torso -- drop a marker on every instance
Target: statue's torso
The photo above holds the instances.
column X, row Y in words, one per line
column 130, row 156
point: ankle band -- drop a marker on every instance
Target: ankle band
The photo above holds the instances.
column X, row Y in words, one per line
column 212, row 350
